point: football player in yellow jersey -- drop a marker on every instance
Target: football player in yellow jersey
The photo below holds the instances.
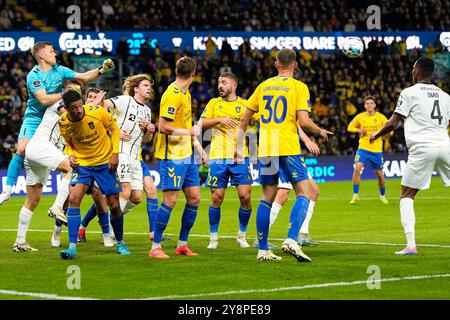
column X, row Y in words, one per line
column 93, row 155
column 365, row 124
column 178, row 171
column 223, row 115
column 284, row 103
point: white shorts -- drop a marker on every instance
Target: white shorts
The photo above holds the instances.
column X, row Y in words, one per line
column 130, row 170
column 44, row 153
column 422, row 161
column 288, row 185
column 35, row 173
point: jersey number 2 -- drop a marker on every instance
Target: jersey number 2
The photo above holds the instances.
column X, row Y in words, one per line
column 273, row 112
column 436, row 112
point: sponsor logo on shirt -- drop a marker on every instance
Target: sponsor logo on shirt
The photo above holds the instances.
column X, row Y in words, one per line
column 171, row 110
column 36, row 83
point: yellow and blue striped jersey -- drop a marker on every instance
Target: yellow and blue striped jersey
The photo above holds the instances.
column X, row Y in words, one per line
column 371, row 124
column 277, row 100
column 223, row 143
column 176, row 107
column 88, row 139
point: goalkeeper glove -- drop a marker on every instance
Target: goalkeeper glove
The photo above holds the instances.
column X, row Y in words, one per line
column 107, row 66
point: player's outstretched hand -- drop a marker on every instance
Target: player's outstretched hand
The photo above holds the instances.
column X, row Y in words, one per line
column 73, row 162
column 228, row 123
column 143, row 124
column 325, row 133
column 150, row 127
column 107, row 66
column 114, row 162
column 125, row 136
column 312, row 147
column 99, row 98
column 373, row 137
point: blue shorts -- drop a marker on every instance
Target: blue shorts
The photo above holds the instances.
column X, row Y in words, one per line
column 28, row 128
column 178, row 174
column 145, row 170
column 374, row 158
column 288, row 168
column 220, row 172
column 106, row 179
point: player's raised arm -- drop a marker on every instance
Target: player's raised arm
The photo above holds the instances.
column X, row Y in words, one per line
column 306, row 123
column 94, row 74
column 355, row 126
column 311, row 146
column 389, row 126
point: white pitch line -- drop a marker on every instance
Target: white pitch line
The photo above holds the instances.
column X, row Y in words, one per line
column 252, row 238
column 224, row 293
column 309, row 286
column 42, row 295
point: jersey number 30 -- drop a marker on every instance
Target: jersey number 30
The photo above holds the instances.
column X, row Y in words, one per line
column 273, row 110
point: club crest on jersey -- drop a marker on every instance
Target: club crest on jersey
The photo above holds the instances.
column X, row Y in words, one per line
column 91, row 125
column 36, row 83
column 171, row 110
column 219, row 107
column 238, row 109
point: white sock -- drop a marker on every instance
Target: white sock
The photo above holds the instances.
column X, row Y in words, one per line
column 123, row 203
column 156, row 245
column 408, row 220
column 63, row 193
column 355, row 194
column 181, row 243
column 305, row 225
column 276, row 207
column 241, row 234
column 24, row 221
column 128, row 207
column 7, row 189
column 213, row 235
column 58, row 229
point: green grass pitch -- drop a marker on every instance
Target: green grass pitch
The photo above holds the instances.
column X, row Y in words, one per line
column 352, row 238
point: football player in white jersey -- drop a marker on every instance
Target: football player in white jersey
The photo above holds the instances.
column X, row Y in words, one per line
column 425, row 109
column 44, row 153
column 133, row 117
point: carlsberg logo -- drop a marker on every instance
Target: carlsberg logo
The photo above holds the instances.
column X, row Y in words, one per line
column 69, row 41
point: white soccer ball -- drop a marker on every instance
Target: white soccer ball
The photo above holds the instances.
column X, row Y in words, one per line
column 353, row 47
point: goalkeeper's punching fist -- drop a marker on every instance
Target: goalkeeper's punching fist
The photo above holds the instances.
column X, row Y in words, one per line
column 108, row 65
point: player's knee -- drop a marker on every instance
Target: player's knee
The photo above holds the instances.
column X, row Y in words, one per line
column 125, row 194
column 74, row 200
column 314, row 192
column 194, row 200
column 136, row 197
column 245, row 200
column 216, row 200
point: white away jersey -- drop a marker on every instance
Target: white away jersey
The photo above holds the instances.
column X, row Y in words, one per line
column 48, row 129
column 129, row 113
column 426, row 109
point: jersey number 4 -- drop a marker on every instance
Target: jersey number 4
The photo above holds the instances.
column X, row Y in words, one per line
column 273, row 110
column 436, row 112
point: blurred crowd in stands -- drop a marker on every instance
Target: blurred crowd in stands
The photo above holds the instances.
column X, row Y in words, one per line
column 248, row 15
column 337, row 84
